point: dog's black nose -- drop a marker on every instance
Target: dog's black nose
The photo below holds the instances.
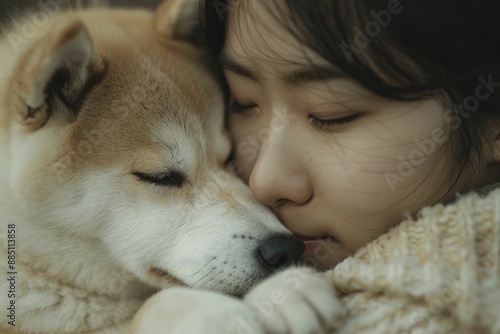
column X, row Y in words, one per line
column 281, row 251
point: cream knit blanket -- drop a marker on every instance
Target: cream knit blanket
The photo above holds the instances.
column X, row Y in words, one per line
column 438, row 274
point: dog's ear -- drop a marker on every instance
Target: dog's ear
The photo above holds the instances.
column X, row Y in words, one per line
column 180, row 19
column 55, row 67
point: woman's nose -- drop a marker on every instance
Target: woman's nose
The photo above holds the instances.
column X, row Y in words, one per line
column 276, row 177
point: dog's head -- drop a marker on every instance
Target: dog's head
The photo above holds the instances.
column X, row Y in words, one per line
column 115, row 127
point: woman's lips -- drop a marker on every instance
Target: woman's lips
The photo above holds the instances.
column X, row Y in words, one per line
column 319, row 250
column 313, row 244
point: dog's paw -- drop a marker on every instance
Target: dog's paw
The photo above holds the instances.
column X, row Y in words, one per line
column 187, row 311
column 296, row 301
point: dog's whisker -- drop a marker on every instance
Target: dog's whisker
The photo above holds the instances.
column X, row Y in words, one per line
column 193, row 274
column 201, row 279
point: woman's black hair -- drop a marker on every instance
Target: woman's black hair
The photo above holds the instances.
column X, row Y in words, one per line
column 399, row 49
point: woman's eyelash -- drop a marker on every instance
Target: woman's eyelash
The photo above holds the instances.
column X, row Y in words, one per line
column 237, row 107
column 335, row 122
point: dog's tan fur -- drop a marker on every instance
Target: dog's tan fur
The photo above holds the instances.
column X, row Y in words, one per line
column 92, row 98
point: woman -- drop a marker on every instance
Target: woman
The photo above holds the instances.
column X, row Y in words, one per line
column 358, row 122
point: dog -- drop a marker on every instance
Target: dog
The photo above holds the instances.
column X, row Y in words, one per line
column 114, row 184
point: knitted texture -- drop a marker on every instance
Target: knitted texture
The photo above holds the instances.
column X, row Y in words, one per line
column 438, row 274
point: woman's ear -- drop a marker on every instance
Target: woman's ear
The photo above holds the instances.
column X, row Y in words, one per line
column 180, row 20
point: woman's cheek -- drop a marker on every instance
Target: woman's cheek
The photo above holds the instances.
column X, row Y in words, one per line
column 246, row 147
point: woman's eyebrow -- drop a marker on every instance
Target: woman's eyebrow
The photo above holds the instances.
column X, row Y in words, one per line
column 301, row 76
column 312, row 74
column 230, row 64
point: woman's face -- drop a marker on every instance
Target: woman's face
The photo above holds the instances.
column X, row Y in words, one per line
column 337, row 164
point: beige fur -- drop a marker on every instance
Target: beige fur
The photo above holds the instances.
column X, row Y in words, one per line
column 89, row 99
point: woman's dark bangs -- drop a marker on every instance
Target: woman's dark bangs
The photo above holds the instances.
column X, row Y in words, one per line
column 396, row 48
column 356, row 37
column 334, row 29
column 213, row 14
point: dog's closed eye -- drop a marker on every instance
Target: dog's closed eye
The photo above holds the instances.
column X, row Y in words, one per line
column 171, row 179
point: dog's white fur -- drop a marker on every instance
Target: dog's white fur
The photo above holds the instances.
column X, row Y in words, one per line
column 93, row 240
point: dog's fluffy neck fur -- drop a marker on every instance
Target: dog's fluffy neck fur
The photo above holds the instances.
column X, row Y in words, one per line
column 91, row 281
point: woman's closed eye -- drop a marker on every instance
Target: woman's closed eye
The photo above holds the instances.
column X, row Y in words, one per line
column 332, row 123
column 239, row 107
column 323, row 123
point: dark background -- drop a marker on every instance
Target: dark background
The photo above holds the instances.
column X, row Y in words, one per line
column 16, row 6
